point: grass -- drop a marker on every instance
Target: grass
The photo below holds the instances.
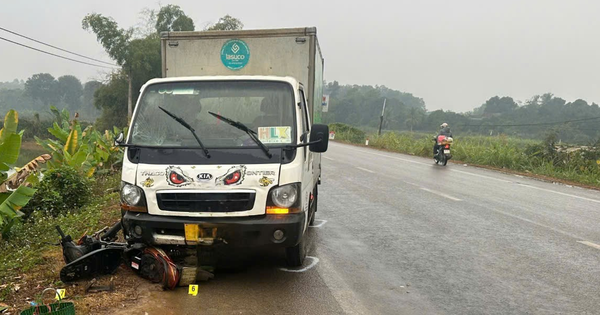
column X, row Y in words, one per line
column 32, row 241
column 521, row 155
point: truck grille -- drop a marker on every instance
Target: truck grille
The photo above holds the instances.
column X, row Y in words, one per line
column 206, row 202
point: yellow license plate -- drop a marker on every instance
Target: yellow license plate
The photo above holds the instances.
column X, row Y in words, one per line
column 192, row 231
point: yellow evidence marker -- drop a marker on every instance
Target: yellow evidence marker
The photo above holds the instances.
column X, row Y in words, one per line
column 193, row 290
column 60, row 294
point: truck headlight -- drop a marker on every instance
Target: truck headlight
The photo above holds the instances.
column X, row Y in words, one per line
column 131, row 194
column 285, row 196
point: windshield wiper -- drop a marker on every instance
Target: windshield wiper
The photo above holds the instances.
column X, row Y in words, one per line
column 251, row 133
column 188, row 127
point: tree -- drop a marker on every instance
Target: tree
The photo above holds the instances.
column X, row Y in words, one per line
column 171, row 18
column 139, row 57
column 227, row 23
column 415, row 117
column 42, row 87
column 88, row 106
column 89, row 88
column 116, row 41
column 70, row 91
column 111, row 98
column 497, row 105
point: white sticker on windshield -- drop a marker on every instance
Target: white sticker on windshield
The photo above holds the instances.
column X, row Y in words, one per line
column 183, row 91
column 275, row 134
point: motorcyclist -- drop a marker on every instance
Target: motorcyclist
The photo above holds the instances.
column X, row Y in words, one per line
column 444, row 131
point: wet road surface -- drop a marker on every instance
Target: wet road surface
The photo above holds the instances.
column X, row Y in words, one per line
column 396, row 234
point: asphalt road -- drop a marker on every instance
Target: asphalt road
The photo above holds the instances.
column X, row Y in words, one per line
column 400, row 235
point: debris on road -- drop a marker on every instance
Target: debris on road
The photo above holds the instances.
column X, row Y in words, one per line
column 93, row 288
column 98, row 255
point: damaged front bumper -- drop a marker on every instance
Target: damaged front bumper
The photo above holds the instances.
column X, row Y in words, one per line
column 238, row 232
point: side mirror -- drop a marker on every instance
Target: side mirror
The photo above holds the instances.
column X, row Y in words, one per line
column 119, row 139
column 319, row 134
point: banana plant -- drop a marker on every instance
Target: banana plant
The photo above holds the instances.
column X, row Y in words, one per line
column 15, row 190
column 86, row 150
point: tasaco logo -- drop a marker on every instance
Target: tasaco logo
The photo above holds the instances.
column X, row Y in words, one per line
column 235, row 49
column 235, row 54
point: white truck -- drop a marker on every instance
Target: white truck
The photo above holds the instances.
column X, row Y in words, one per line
column 223, row 148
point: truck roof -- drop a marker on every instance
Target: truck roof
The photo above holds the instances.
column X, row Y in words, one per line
column 289, row 80
column 300, row 31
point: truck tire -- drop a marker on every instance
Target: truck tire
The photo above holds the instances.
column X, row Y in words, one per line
column 294, row 256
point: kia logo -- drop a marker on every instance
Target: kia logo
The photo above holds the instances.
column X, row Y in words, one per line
column 204, row 177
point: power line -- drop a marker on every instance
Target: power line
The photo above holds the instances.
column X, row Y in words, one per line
column 55, row 55
column 534, row 124
column 67, row 51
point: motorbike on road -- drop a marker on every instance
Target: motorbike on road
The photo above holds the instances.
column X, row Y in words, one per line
column 443, row 150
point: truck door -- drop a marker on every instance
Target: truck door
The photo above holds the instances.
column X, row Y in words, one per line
column 307, row 169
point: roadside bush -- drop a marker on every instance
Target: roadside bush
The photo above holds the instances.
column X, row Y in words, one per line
column 580, row 164
column 62, row 190
column 348, row 133
column 87, row 150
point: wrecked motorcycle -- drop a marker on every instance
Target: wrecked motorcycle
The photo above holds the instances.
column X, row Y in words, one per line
column 98, row 254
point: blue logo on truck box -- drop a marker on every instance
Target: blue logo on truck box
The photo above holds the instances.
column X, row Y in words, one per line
column 235, row 54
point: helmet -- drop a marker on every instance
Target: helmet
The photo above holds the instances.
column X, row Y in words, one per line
column 444, row 125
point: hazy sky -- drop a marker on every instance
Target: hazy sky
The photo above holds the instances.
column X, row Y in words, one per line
column 454, row 54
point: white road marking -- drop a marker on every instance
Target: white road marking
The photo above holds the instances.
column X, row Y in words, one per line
column 328, row 158
column 590, row 244
column 342, row 292
column 389, row 156
column 440, row 194
column 318, row 225
column 413, row 184
column 482, row 176
column 535, row 223
column 561, row 193
column 366, row 170
column 313, row 263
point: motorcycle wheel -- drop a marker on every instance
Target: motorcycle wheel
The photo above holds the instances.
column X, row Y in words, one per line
column 445, row 161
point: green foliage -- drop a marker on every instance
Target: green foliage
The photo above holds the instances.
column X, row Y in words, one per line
column 11, row 202
column 10, row 208
column 70, row 90
column 14, row 85
column 362, row 106
column 348, row 133
column 497, row 105
column 85, row 150
column 42, row 90
column 226, row 23
column 580, row 164
column 43, row 87
column 112, row 99
column 62, row 190
column 31, row 239
column 115, row 40
column 171, row 18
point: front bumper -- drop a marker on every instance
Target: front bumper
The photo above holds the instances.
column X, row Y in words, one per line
column 238, row 232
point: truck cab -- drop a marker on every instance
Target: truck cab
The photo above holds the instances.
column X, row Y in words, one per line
column 231, row 159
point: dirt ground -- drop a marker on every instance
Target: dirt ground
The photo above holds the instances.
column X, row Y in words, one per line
column 128, row 288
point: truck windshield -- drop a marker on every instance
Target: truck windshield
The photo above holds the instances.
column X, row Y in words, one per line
column 265, row 107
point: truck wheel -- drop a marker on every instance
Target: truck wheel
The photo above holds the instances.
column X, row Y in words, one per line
column 294, row 256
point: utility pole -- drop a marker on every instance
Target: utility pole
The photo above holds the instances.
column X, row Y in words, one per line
column 381, row 118
column 129, row 97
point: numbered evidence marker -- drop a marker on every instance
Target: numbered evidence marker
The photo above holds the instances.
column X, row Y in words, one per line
column 193, row 290
column 60, row 294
